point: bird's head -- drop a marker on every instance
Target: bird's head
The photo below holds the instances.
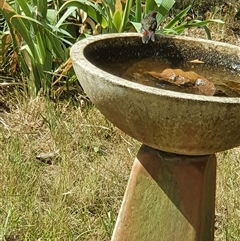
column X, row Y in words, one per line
column 153, row 14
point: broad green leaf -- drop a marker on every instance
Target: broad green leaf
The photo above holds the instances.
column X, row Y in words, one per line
column 165, row 3
column 19, row 25
column 167, row 31
column 38, row 75
column 107, row 14
column 87, row 7
column 56, row 46
column 199, row 23
column 216, row 21
column 43, row 8
column 24, row 6
column 150, row 5
column 52, row 16
column 21, row 17
column 138, row 13
column 137, row 26
column 117, row 21
column 34, row 21
column 48, row 63
column 69, row 11
column 176, row 20
column 207, row 31
column 126, row 13
column 196, row 23
column 59, row 30
column 35, row 68
column 110, row 4
column 41, row 46
column 65, row 41
column 163, row 7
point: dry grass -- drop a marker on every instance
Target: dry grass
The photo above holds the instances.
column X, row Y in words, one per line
column 77, row 193
column 227, row 198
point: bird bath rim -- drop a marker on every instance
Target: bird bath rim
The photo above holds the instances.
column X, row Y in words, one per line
column 171, row 121
column 144, row 88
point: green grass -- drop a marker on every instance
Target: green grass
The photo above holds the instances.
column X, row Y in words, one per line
column 76, row 196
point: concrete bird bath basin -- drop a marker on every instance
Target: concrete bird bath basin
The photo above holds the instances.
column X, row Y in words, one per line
column 171, row 189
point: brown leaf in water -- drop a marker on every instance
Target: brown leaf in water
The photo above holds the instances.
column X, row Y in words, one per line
column 189, row 79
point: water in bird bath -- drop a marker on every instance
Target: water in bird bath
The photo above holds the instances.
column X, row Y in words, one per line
column 147, row 71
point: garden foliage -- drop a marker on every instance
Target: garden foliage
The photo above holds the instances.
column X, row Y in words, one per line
column 36, row 35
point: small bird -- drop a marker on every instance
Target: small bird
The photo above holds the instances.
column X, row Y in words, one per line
column 149, row 25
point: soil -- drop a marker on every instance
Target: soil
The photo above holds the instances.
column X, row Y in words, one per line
column 228, row 11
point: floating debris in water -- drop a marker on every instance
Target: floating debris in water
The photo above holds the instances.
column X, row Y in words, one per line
column 192, row 81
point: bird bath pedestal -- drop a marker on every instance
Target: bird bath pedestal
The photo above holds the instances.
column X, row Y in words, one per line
column 168, row 197
column 170, row 194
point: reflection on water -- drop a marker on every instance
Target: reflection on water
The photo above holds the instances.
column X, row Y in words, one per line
column 227, row 83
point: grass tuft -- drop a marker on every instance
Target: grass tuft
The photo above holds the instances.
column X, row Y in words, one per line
column 78, row 195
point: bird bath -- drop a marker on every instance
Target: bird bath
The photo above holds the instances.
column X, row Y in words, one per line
column 171, row 190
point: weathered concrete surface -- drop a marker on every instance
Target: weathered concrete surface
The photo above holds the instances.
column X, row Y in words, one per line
column 168, row 198
column 166, row 120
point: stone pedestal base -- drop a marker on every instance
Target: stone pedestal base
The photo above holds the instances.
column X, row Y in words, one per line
column 168, row 198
